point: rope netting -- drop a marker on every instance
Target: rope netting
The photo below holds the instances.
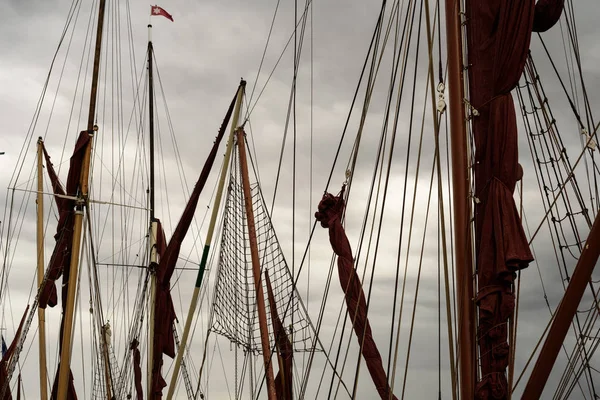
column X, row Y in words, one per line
column 234, row 307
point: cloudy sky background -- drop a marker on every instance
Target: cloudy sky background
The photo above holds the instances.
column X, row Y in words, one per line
column 201, row 57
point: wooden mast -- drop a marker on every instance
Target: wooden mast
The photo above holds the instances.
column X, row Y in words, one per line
column 40, row 272
column 153, row 223
column 105, row 334
column 207, row 243
column 82, row 199
column 460, row 195
column 260, row 297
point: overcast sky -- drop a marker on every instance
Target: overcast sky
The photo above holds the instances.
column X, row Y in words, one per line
column 201, row 57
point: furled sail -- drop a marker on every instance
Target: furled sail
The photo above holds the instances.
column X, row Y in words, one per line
column 61, row 256
column 60, row 261
column 498, row 40
column 285, row 351
column 164, row 313
column 5, row 361
column 137, row 369
column 329, row 215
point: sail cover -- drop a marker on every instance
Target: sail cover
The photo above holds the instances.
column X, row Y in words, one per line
column 329, row 215
column 164, row 313
column 498, row 43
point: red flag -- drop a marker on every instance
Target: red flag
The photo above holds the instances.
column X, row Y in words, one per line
column 156, row 10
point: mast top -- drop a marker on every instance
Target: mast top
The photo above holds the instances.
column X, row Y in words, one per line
column 150, row 33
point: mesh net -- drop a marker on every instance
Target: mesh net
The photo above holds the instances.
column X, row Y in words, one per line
column 234, row 307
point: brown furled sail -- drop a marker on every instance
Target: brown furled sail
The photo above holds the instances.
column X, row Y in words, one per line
column 71, row 395
column 164, row 313
column 137, row 369
column 61, row 256
column 283, row 380
column 19, row 384
column 499, row 33
column 5, row 361
column 329, row 215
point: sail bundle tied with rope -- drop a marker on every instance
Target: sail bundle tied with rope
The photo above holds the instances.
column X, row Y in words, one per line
column 61, row 256
column 5, row 362
column 60, row 262
column 329, row 215
column 499, row 37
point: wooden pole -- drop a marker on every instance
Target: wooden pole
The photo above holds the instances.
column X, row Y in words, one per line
column 460, row 196
column 153, row 224
column 40, row 274
column 207, row 243
column 260, row 296
column 65, row 355
column 105, row 336
column 564, row 314
column 152, row 302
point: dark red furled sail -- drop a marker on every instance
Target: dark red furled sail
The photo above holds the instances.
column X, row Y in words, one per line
column 164, row 313
column 19, row 384
column 6, row 360
column 137, row 369
column 60, row 260
column 71, row 395
column 285, row 351
column 498, row 44
column 330, row 216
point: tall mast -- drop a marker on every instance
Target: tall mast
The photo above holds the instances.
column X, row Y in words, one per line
column 260, row 296
column 40, row 273
column 207, row 243
column 82, row 198
column 151, row 121
column 153, row 222
column 460, row 195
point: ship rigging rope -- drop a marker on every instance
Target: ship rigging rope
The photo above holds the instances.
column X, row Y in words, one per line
column 337, row 153
column 262, row 60
column 73, row 12
column 402, row 51
column 10, row 237
column 374, row 48
column 560, row 236
column 330, row 177
column 558, row 190
column 302, row 19
column 570, row 97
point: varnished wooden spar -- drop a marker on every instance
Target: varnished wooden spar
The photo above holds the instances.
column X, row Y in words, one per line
column 208, row 240
column 260, row 296
column 460, row 195
column 564, row 314
column 65, row 356
column 40, row 273
column 153, row 224
column 105, row 334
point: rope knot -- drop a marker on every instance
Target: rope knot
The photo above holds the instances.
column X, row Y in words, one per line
column 330, row 208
